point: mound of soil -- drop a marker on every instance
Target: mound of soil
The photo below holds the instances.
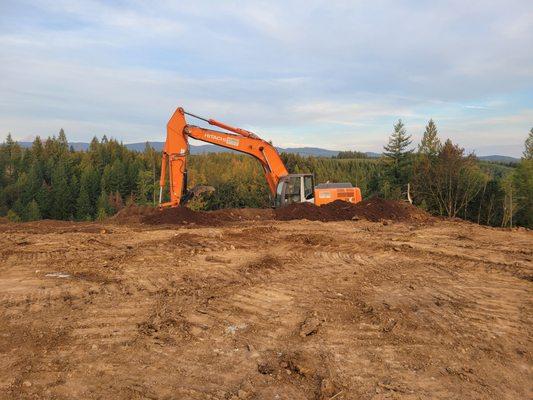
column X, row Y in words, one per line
column 183, row 215
column 179, row 215
column 374, row 209
column 132, row 214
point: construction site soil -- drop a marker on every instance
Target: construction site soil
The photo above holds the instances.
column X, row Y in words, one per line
column 375, row 209
column 266, row 304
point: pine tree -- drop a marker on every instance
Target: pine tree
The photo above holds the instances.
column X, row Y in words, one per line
column 117, row 178
column 399, row 141
column 13, row 216
column 37, row 149
column 60, row 193
column 102, row 207
column 32, row 212
column 528, row 152
column 73, row 195
column 44, row 200
column 430, row 144
column 84, row 210
column 399, row 169
column 523, row 182
column 62, row 141
column 144, row 186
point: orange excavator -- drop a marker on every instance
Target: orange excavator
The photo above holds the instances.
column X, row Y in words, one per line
column 285, row 188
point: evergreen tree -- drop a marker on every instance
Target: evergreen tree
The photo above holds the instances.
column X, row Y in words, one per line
column 117, row 178
column 144, row 186
column 523, row 182
column 102, row 207
column 399, row 141
column 62, row 141
column 37, row 149
column 44, row 200
column 528, row 152
column 60, row 193
column 399, row 158
column 32, row 212
column 430, row 144
column 84, row 209
column 13, row 216
column 73, row 195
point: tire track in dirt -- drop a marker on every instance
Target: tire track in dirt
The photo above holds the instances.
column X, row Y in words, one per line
column 396, row 311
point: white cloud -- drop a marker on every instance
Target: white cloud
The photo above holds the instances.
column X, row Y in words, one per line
column 310, row 72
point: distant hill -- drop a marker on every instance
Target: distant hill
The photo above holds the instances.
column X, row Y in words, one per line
column 208, row 148
column 303, row 151
column 502, row 159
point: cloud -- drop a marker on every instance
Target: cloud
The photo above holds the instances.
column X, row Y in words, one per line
column 318, row 73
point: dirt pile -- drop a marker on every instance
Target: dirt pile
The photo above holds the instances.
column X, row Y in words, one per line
column 132, row 214
column 183, row 215
column 374, row 209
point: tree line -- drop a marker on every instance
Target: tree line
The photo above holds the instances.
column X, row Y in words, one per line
column 51, row 180
column 441, row 178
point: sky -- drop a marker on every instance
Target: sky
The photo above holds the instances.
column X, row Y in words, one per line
column 330, row 74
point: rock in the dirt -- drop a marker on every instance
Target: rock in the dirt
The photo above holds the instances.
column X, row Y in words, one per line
column 26, row 383
column 327, row 389
column 389, row 326
column 302, row 365
column 265, row 368
column 309, row 326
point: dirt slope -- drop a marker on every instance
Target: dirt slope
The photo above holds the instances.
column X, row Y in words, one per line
column 265, row 310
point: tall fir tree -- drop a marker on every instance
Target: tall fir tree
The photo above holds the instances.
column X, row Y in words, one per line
column 523, row 184
column 32, row 212
column 44, row 200
column 102, row 207
column 60, row 193
column 62, row 141
column 528, row 151
column 430, row 143
column 84, row 209
column 399, row 141
column 399, row 168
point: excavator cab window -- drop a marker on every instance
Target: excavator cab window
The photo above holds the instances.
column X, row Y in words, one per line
column 309, row 187
column 279, row 194
column 293, row 190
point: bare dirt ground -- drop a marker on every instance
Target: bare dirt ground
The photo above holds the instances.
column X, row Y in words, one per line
column 265, row 310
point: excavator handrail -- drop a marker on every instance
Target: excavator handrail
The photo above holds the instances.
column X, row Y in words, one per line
column 214, row 122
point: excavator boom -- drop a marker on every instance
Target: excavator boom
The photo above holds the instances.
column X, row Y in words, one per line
column 176, row 150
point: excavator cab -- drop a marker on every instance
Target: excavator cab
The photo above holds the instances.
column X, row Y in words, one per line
column 295, row 188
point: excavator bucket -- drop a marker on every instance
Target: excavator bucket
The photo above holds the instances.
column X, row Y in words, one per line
column 196, row 191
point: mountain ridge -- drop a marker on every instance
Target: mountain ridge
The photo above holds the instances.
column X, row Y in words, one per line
column 303, row 151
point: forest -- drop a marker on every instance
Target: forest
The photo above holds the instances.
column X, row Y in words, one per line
column 49, row 180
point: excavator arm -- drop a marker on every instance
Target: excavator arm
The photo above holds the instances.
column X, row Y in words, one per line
column 176, row 150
